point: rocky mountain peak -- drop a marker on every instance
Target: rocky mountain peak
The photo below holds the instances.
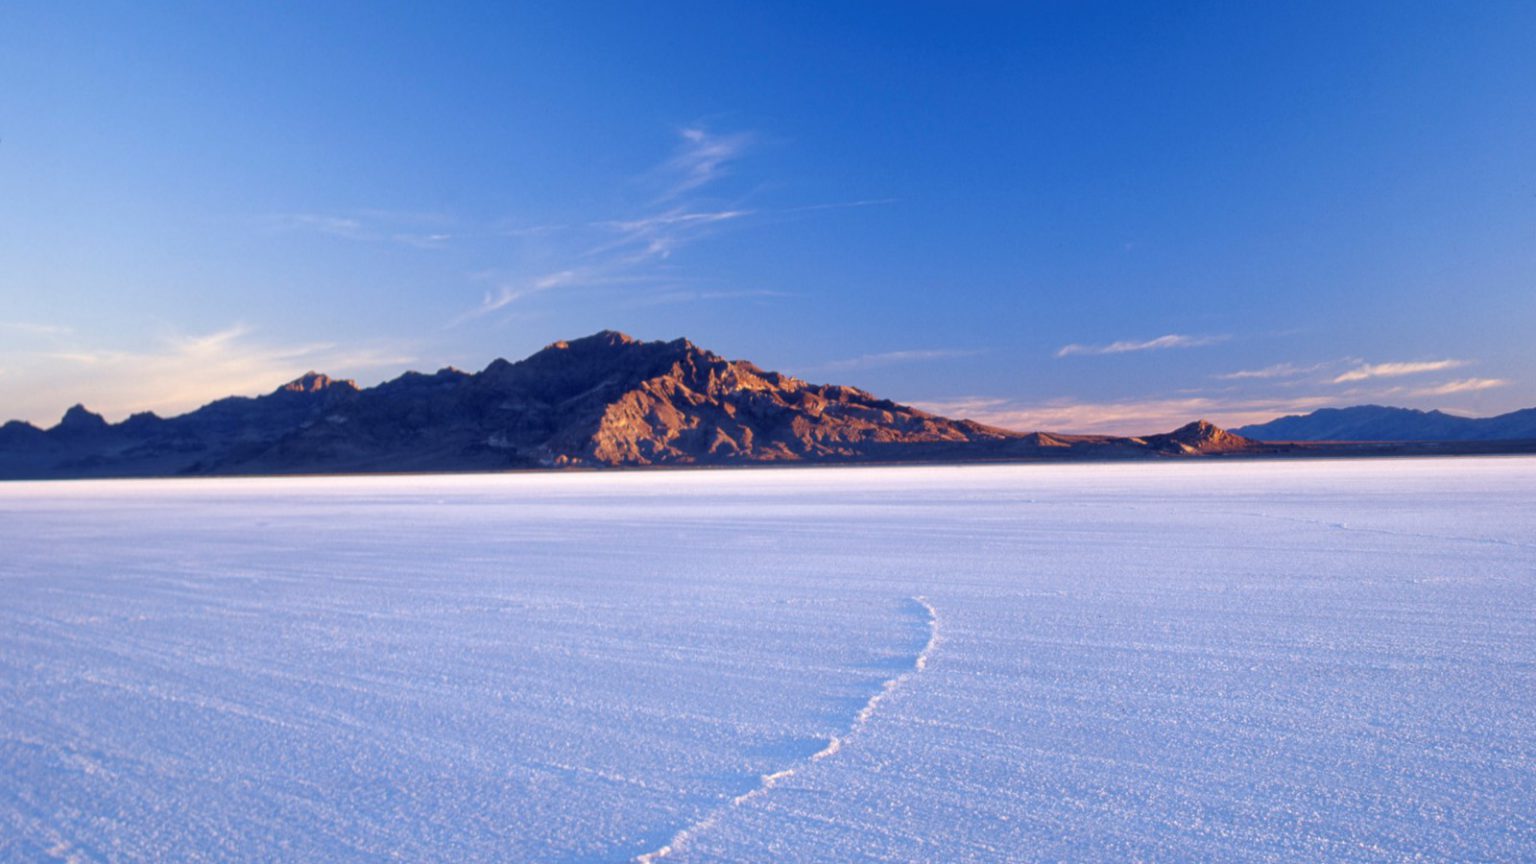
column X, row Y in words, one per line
column 596, row 342
column 1199, row 430
column 602, row 360
column 1202, row 436
column 315, row 382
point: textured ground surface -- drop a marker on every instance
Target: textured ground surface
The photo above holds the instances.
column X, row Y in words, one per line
column 1231, row 661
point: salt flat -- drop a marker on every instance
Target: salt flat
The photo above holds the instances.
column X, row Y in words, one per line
column 1242, row 661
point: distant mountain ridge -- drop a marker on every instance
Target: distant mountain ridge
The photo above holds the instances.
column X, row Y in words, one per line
column 605, row 400
column 1381, row 423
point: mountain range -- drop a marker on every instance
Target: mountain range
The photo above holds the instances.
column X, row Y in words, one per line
column 1380, row 423
column 608, row 400
column 605, row 400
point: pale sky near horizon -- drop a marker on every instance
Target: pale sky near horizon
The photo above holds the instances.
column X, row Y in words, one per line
column 1083, row 217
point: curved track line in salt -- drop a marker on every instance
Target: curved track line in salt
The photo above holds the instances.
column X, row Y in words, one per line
column 834, row 744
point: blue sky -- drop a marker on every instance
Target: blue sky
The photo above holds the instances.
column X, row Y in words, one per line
column 1071, row 216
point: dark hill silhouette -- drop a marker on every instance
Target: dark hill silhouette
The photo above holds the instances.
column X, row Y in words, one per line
column 1380, row 423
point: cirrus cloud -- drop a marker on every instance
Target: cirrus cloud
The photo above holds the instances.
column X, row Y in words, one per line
column 892, row 358
column 1278, row 370
column 701, row 159
column 1171, row 340
column 1367, row 371
column 1465, row 385
column 638, row 250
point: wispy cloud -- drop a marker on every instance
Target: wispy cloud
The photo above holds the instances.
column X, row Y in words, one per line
column 1278, row 370
column 658, row 235
column 511, row 289
column 702, row 158
column 422, row 241
column 416, row 230
column 507, row 293
column 837, row 205
column 510, row 228
column 320, row 223
column 676, row 207
column 680, row 295
column 893, row 358
column 639, row 249
column 30, row 328
column 177, row 372
column 1465, row 385
column 1172, row 340
column 627, row 250
column 1367, row 371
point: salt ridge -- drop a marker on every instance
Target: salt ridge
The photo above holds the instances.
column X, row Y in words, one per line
column 834, row 744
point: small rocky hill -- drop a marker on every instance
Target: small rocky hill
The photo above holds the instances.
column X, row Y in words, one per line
column 1199, row 437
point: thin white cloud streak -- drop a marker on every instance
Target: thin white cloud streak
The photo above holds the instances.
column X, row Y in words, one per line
column 657, row 236
column 512, row 290
column 665, row 298
column 671, row 218
column 373, row 226
column 1172, row 340
column 1367, row 371
column 508, row 293
column 508, row 229
column 1465, row 385
column 177, row 374
column 320, row 223
column 1279, row 370
column 837, row 205
column 405, row 217
column 893, row 358
column 422, row 241
column 46, row 332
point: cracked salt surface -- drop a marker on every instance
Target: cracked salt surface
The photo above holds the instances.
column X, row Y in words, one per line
column 1257, row 661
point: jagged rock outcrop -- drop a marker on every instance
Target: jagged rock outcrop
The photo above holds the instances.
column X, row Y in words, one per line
column 314, row 382
column 690, row 405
